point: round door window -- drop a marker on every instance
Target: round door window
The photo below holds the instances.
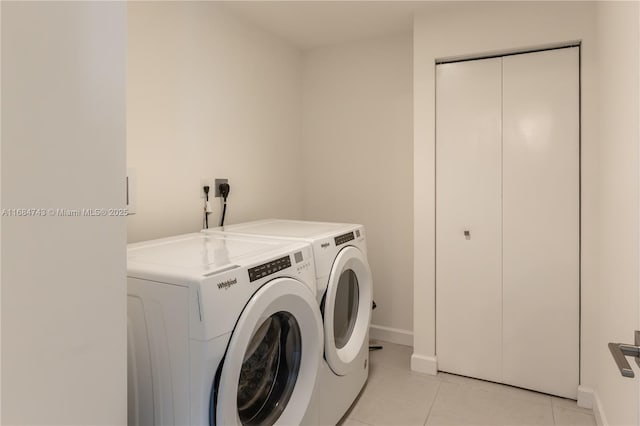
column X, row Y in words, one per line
column 269, row 370
column 346, row 307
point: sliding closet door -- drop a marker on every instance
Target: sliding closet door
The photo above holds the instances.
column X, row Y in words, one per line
column 468, row 218
column 541, row 221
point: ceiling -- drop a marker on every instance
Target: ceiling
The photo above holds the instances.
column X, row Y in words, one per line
column 309, row 24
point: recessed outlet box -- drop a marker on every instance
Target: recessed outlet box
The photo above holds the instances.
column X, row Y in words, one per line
column 218, row 182
column 205, row 182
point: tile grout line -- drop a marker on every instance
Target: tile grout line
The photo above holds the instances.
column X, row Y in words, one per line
column 359, row 421
column 433, row 402
column 553, row 411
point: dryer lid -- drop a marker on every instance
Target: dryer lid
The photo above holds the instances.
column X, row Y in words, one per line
column 287, row 228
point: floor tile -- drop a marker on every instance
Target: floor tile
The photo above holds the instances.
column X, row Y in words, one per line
column 523, row 412
column 464, row 404
column 392, row 355
column 467, row 381
column 508, row 391
column 570, row 417
column 456, row 404
column 352, row 422
column 394, row 397
column 569, row 404
column 511, row 392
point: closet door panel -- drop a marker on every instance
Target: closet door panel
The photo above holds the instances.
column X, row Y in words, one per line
column 468, row 183
column 541, row 221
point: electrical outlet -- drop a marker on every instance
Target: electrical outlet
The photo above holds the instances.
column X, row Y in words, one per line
column 218, row 182
column 205, row 182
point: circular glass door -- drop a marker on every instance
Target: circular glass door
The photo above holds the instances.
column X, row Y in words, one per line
column 269, row 371
column 272, row 360
column 347, row 309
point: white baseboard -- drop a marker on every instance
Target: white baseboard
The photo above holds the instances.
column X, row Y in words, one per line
column 585, row 397
column 424, row 364
column 393, row 335
column 588, row 398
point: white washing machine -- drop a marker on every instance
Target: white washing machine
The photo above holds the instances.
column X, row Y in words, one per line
column 344, row 292
column 222, row 330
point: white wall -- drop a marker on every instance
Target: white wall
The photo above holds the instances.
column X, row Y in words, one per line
column 617, row 310
column 357, row 129
column 63, row 278
column 207, row 97
column 479, row 28
column 211, row 96
column 0, row 219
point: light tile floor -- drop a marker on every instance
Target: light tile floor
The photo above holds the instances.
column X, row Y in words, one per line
column 394, row 395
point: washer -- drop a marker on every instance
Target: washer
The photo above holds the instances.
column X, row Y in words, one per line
column 344, row 293
column 222, row 330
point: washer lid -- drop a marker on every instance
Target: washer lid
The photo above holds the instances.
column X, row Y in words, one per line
column 199, row 254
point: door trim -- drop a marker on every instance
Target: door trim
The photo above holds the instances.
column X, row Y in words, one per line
column 502, row 54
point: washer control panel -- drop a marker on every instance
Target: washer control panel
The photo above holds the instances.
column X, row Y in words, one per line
column 269, row 268
column 344, row 238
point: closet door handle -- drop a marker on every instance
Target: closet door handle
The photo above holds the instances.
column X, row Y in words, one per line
column 621, row 350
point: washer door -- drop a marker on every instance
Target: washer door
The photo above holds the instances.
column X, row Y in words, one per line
column 347, row 309
column 273, row 358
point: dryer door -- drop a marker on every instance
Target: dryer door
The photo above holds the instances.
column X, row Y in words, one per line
column 271, row 365
column 347, row 309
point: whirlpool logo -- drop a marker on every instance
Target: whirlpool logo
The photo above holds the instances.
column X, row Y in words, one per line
column 226, row 284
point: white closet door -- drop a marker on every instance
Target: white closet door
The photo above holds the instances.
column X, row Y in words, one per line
column 468, row 184
column 541, row 221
